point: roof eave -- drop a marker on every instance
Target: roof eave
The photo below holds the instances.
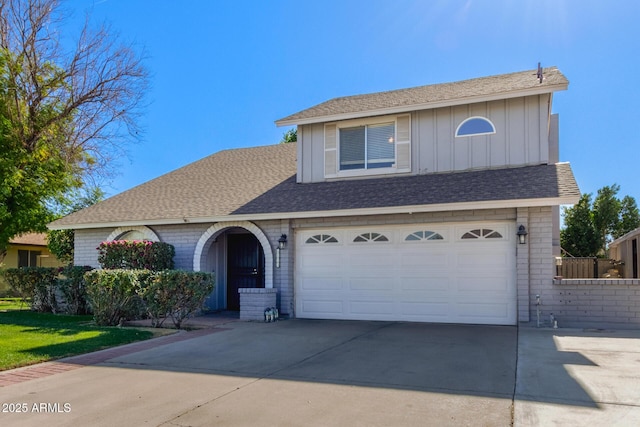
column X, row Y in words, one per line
column 491, row 204
column 425, row 106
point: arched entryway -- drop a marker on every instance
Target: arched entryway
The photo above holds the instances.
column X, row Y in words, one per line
column 239, row 254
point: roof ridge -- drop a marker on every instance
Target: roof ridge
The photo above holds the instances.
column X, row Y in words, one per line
column 434, row 95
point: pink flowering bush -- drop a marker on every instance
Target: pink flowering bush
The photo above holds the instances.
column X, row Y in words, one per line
column 136, row 255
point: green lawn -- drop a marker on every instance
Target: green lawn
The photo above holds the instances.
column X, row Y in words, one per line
column 27, row 337
column 13, row 304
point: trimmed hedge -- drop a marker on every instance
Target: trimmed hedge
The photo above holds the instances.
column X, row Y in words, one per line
column 113, row 294
column 35, row 283
column 73, row 288
column 119, row 295
column 175, row 294
column 51, row 290
column 136, row 255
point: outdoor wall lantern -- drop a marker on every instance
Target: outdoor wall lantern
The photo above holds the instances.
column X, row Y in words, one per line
column 522, row 234
column 282, row 244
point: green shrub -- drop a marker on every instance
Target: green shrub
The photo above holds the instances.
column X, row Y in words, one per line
column 113, row 294
column 72, row 286
column 35, row 283
column 60, row 244
column 136, row 255
column 5, row 290
column 175, row 294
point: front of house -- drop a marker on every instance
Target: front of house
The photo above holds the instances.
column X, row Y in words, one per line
column 431, row 204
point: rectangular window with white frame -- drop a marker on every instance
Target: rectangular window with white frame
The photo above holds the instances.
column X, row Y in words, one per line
column 368, row 146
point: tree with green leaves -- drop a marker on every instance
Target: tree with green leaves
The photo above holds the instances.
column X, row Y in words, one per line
column 629, row 217
column 61, row 242
column 289, row 136
column 579, row 237
column 65, row 111
column 590, row 227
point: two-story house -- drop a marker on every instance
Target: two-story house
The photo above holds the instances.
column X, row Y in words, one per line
column 435, row 204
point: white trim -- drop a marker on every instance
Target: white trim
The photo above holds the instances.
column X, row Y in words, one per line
column 249, row 226
column 486, row 119
column 441, row 207
column 423, row 106
column 149, row 234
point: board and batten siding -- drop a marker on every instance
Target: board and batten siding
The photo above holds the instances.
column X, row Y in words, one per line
column 521, row 138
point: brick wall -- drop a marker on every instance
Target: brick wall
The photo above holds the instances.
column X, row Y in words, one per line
column 254, row 301
column 594, row 303
column 86, row 242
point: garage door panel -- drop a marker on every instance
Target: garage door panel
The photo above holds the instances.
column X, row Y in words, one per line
column 432, row 284
column 483, row 258
column 483, row 284
column 322, row 283
column 423, row 258
column 478, row 310
column 453, row 280
column 370, row 308
column 426, row 311
column 372, row 284
column 321, row 259
column 316, row 306
column 371, row 260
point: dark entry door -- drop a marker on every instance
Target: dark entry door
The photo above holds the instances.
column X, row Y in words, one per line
column 245, row 266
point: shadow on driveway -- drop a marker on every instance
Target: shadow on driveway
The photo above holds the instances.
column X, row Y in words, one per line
column 473, row 360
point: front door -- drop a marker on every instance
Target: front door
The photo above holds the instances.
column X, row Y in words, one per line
column 245, row 266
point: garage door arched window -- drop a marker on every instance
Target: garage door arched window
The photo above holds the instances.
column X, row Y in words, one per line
column 423, row 235
column 474, row 126
column 321, row 238
column 482, row 233
column 371, row 237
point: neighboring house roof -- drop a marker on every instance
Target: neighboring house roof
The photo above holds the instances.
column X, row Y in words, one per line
column 33, row 239
column 260, row 183
column 432, row 96
column 629, row 235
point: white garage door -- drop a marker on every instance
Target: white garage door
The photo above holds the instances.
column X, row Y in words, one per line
column 448, row 273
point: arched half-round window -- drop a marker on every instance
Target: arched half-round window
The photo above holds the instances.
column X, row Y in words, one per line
column 475, row 126
column 133, row 233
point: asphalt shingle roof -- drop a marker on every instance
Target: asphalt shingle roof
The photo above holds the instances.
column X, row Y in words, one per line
column 262, row 180
column 406, row 99
column 34, row 239
column 216, row 185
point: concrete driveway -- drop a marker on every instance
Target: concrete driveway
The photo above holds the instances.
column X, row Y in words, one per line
column 305, row 372
column 294, row 372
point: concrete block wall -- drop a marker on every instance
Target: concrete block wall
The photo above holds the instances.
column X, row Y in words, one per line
column 541, row 261
column 86, row 242
column 254, row 301
column 283, row 275
column 595, row 303
column 182, row 237
column 522, row 268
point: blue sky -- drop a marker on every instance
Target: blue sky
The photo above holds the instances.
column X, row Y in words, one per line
column 223, row 71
